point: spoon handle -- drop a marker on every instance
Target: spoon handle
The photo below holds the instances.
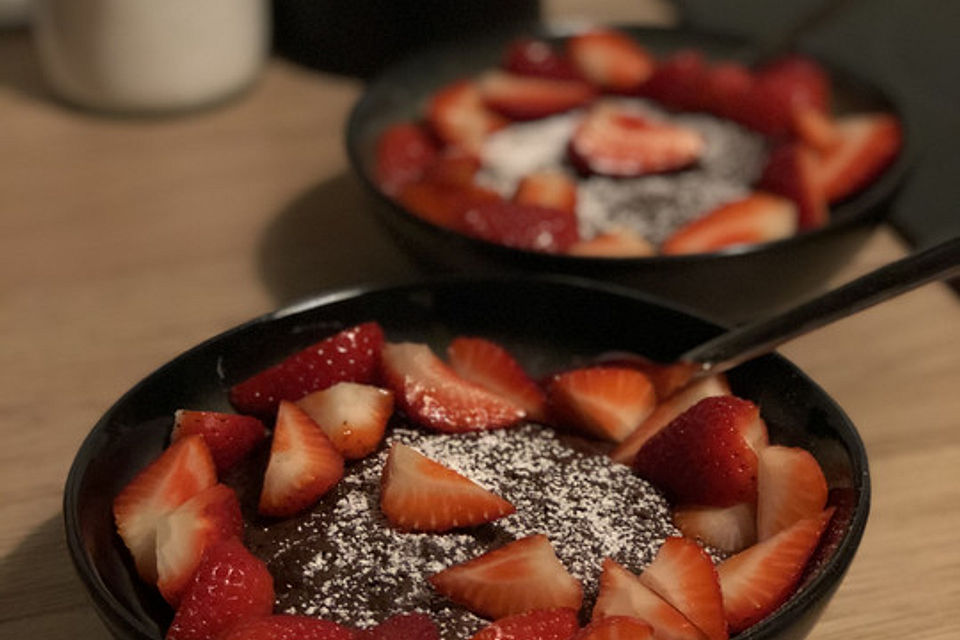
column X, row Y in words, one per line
column 757, row 338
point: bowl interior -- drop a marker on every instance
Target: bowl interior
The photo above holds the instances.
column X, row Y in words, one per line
column 548, row 322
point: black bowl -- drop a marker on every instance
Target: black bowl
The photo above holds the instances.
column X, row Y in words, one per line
column 548, row 322
column 729, row 286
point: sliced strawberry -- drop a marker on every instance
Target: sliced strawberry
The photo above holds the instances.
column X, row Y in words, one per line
column 550, row 189
column 522, row 226
column 867, row 144
column 760, row 217
column 667, row 378
column 615, row 243
column 729, row 529
column 623, row 594
column 683, row 575
column 458, row 116
column 616, row 628
column 666, row 411
column 289, row 627
column 607, row 402
column 229, row 437
column 539, row 624
column 618, row 142
column 610, row 59
column 354, row 416
column 409, row 626
column 403, row 151
column 679, row 81
column 530, row 57
column 755, row 582
column 303, row 464
column 185, row 469
column 726, row 89
column 186, row 532
column 816, row 129
column 453, row 168
column 528, row 98
column 489, row 365
column 520, row 576
column 351, row 355
column 790, row 487
column 230, row 586
column 782, row 87
column 442, row 203
column 420, row 494
column 791, row 172
column 704, row 455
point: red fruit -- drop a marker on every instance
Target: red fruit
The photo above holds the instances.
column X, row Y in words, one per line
column 354, row 416
column 492, row 367
column 623, row 594
column 186, row 532
column 229, row 437
column 760, row 217
column 528, row 98
column 790, row 487
column 704, row 456
column 683, row 575
column 287, row 627
column 444, row 203
column 522, row 226
column 454, row 168
column 729, row 529
column 726, row 90
column 616, row 142
column 432, row 394
column 230, row 586
column 408, row 626
column 606, row 402
column 616, row 628
column 550, row 189
column 303, row 464
column 667, row 378
column 403, row 151
column 351, row 355
column 458, row 116
column 780, row 89
column 529, row 57
column 815, row 128
column 611, row 60
column 615, row 243
column 419, row 494
column 755, row 582
column 518, row 577
column 540, row 624
column 867, row 144
column 679, row 81
column 791, row 172
column 181, row 472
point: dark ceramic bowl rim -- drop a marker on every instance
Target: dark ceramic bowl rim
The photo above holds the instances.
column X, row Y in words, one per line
column 858, row 209
column 819, row 586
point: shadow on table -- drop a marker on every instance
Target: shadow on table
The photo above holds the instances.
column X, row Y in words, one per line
column 20, row 67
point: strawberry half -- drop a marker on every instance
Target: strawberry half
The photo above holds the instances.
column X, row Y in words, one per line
column 403, row 152
column 755, row 582
column 726, row 89
column 303, row 464
column 409, row 626
column 618, row 142
column 705, row 456
column 540, row 624
column 528, row 98
column 679, row 81
column 458, row 116
column 550, row 189
column 729, row 529
column 230, row 437
column 615, row 243
column 432, row 394
column 354, row 416
column 781, row 88
column 790, row 487
column 760, row 217
column 420, row 494
column 616, row 628
column 351, row 355
column 520, row 576
column 489, row 365
column 683, row 575
column 623, row 594
column 791, row 172
column 181, row 472
column 230, row 586
column 522, row 226
column 610, row 59
column 667, row 378
column 454, row 168
column 867, row 144
column 607, row 402
column 444, row 203
column 288, row 627
column 816, row 129
column 186, row 532
column 531, row 57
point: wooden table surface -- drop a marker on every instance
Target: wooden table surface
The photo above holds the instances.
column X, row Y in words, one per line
column 125, row 242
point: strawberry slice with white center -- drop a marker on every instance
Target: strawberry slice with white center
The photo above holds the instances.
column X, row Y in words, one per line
column 550, row 189
column 433, row 395
column 867, row 144
column 611, row 60
column 230, row 437
column 520, row 576
column 616, row 628
column 623, row 594
column 303, row 464
column 760, row 217
column 683, row 575
column 540, row 624
column 729, row 529
column 815, row 128
column 615, row 243
column 458, row 116
column 185, row 469
column 420, row 494
column 528, row 98
column 185, row 533
column 790, row 487
column 354, row 416
column 608, row 402
column 489, row 365
column 791, row 172
column 755, row 582
column 618, row 142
